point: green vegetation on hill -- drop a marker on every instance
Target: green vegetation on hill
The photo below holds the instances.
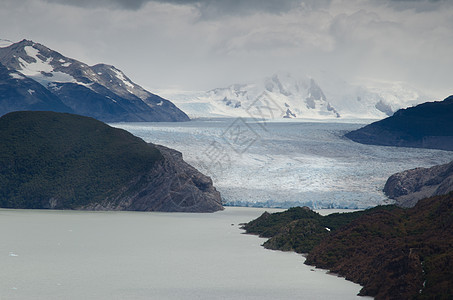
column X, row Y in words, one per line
column 57, row 160
column 300, row 229
column 394, row 253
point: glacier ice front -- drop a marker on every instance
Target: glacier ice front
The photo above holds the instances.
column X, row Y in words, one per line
column 276, row 164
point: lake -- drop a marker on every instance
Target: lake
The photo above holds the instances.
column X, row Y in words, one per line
column 48, row 254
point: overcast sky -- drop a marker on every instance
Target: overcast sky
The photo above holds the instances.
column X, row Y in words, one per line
column 199, row 45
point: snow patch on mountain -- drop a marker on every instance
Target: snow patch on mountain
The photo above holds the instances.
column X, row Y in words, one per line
column 121, row 77
column 283, row 96
column 16, row 76
column 40, row 69
column 5, row 43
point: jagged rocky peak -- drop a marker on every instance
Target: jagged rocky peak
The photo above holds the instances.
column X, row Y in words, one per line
column 384, row 107
column 274, row 84
column 281, row 93
column 101, row 91
column 315, row 92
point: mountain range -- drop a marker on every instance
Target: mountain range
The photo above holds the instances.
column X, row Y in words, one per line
column 34, row 77
column 283, row 95
column 105, row 93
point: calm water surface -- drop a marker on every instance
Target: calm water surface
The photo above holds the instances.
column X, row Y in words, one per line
column 132, row 255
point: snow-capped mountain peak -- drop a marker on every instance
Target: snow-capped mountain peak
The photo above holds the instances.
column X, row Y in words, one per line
column 284, row 95
column 37, row 62
column 302, row 97
column 101, row 91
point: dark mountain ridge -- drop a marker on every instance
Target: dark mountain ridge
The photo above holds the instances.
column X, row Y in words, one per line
column 66, row 161
column 101, row 91
column 428, row 125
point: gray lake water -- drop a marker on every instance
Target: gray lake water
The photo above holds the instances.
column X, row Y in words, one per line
column 48, row 254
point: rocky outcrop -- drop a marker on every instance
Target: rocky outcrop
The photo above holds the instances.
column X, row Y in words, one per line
column 172, row 185
column 410, row 186
column 428, row 125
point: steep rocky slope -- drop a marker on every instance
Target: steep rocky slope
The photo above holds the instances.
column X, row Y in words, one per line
column 65, row 161
column 428, row 125
column 410, row 186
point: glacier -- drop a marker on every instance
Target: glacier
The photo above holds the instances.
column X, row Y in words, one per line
column 271, row 163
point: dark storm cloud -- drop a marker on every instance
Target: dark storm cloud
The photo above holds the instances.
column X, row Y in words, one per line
column 121, row 4
column 418, row 1
column 207, row 7
column 419, row 5
column 217, row 8
column 211, row 8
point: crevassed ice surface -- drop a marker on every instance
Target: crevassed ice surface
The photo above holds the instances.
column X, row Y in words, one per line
column 282, row 164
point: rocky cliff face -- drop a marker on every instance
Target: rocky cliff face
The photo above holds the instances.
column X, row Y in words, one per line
column 410, row 186
column 172, row 185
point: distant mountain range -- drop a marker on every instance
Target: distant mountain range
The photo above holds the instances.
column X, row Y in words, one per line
column 105, row 93
column 428, row 125
column 283, row 95
column 34, row 77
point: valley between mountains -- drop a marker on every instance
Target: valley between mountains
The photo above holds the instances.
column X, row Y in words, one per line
column 283, row 141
